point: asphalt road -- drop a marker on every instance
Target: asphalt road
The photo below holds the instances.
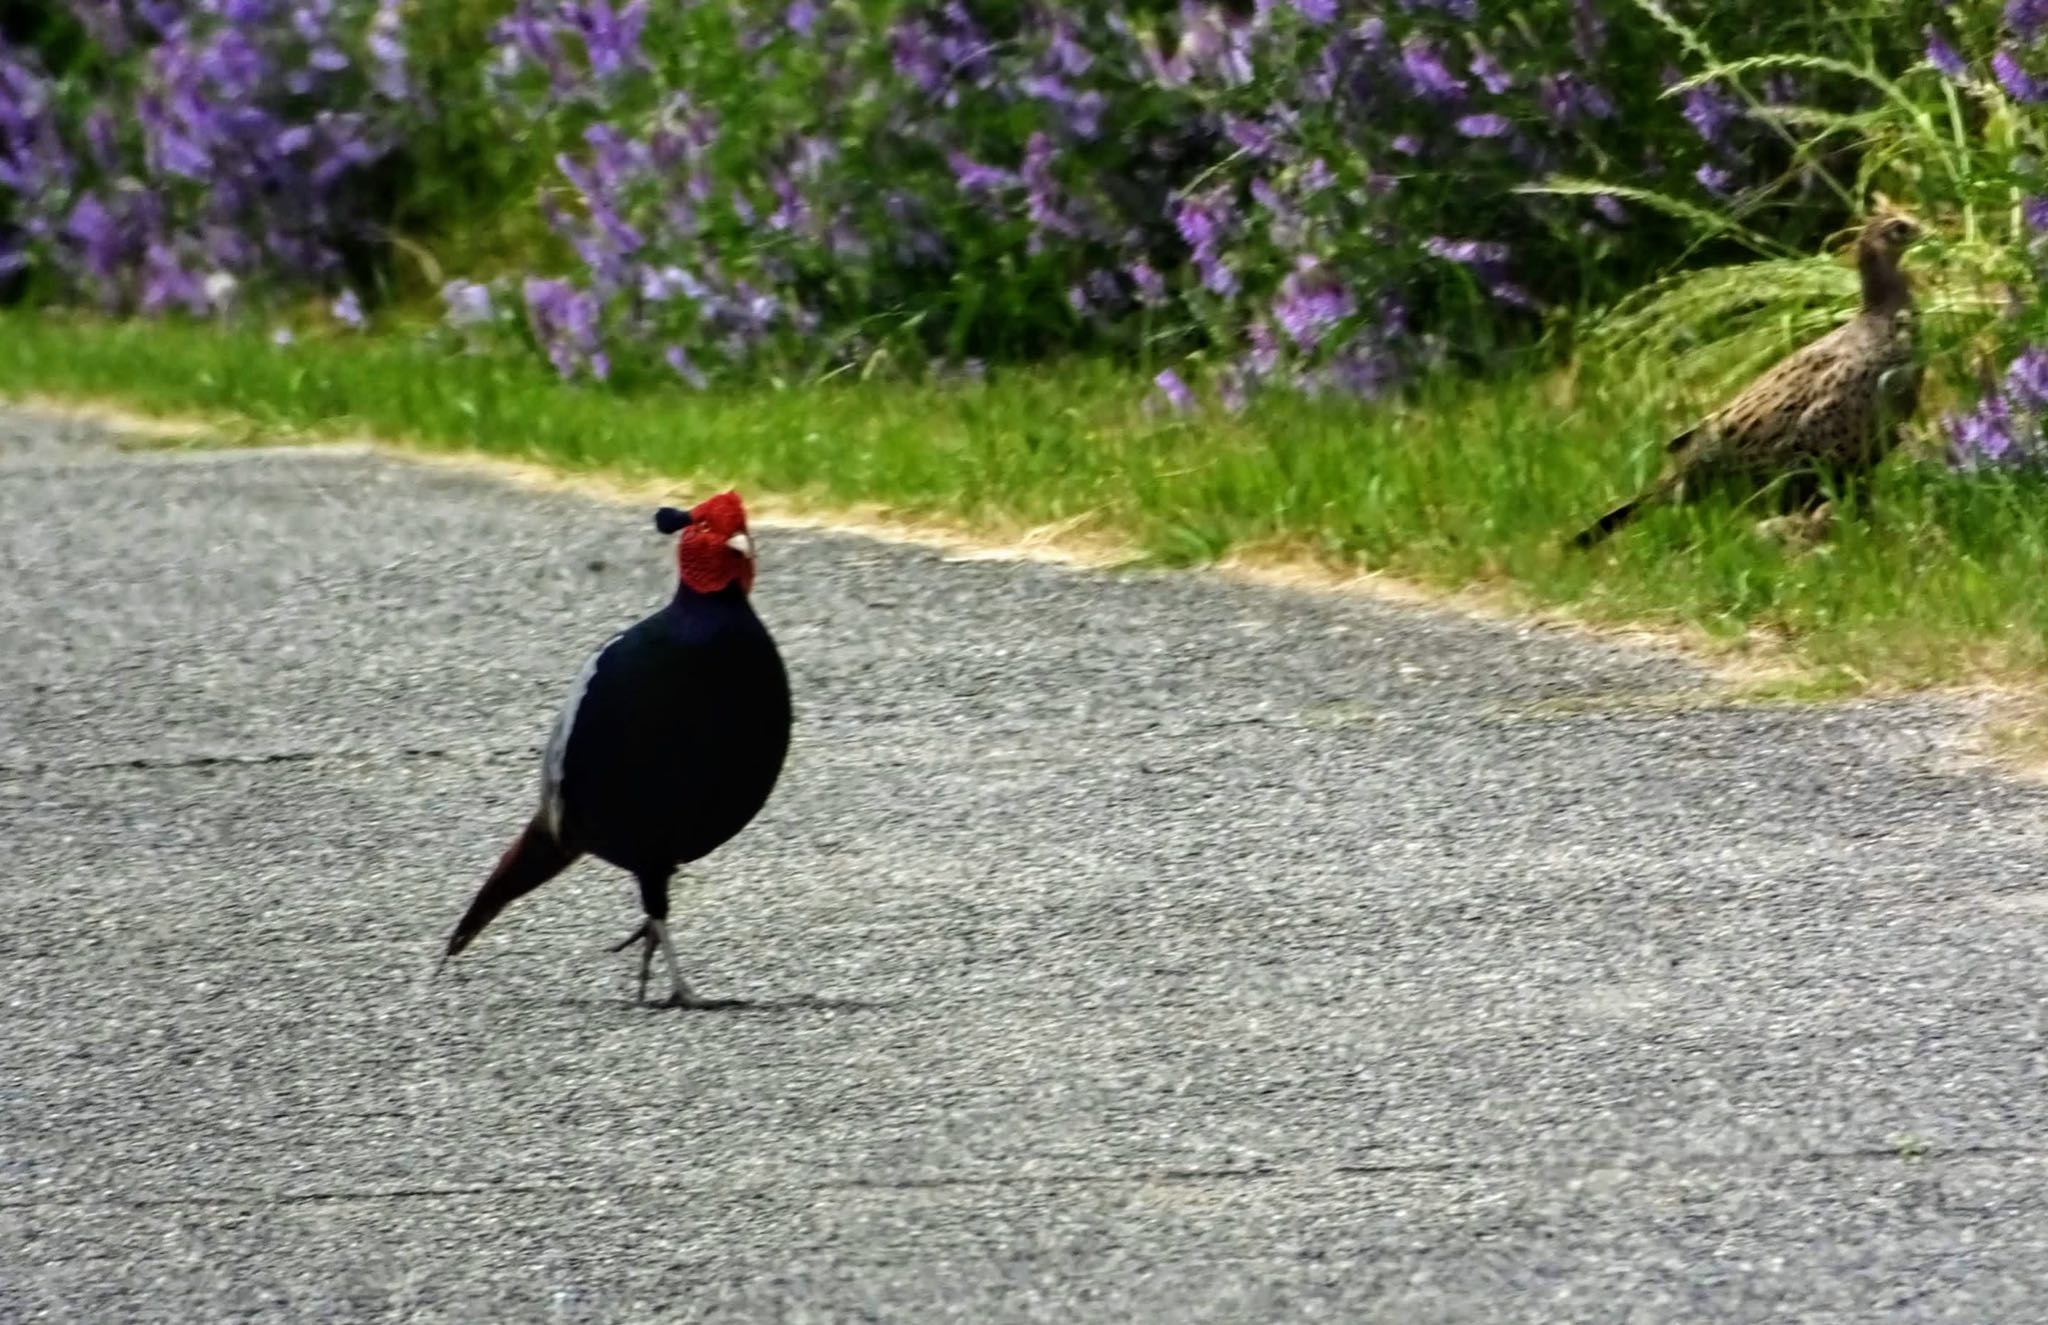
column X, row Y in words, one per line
column 1120, row 948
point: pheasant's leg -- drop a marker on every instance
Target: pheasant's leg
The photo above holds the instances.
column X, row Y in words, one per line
column 645, row 936
column 654, row 900
column 646, row 961
column 1856, row 497
column 1801, row 493
column 679, row 991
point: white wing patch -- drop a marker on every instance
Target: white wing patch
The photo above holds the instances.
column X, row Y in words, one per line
column 556, row 758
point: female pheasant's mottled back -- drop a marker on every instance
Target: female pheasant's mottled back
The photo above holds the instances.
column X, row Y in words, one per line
column 1833, row 407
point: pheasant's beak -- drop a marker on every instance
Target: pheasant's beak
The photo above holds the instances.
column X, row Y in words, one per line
column 741, row 544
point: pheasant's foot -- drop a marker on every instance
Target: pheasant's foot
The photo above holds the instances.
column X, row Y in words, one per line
column 645, row 936
column 1800, row 530
column 679, row 992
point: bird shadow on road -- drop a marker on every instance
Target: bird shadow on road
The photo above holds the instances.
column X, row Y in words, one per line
column 792, row 1003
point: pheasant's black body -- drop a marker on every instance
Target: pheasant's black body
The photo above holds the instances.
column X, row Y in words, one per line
column 677, row 738
column 670, row 742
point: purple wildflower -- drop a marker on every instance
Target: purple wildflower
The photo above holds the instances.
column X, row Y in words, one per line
column 1944, row 56
column 974, row 177
column 615, row 159
column 1470, row 252
column 1176, row 391
column 1043, row 197
column 468, row 303
column 166, row 284
column 1364, row 371
column 1566, row 97
column 1213, row 44
column 678, row 360
column 1982, row 437
column 1066, row 53
column 2026, row 18
column 1262, row 351
column 1252, row 136
column 1714, row 179
column 611, row 38
column 348, row 310
column 917, row 57
column 657, row 285
column 1318, row 12
column 386, row 42
column 564, row 321
column 1218, row 277
column 98, row 237
column 1492, row 75
column 1428, row 76
column 1710, row 111
column 1485, row 126
column 1283, row 220
column 2034, row 211
column 2026, row 379
column 1468, row 10
column 1083, row 111
column 1202, row 222
column 1311, row 303
column 2005, row 427
column 1147, row 282
column 1512, row 292
column 2018, row 83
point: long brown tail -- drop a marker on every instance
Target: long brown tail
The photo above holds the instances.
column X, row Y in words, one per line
column 1608, row 523
column 534, row 857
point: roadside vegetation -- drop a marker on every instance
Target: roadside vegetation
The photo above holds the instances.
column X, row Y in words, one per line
column 1414, row 288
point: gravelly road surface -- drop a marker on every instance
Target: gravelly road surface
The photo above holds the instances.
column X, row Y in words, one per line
column 1121, row 948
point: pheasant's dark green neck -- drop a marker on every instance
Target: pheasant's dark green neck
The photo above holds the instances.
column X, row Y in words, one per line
column 1884, row 285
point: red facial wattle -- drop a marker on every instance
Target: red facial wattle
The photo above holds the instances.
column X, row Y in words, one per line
column 713, row 550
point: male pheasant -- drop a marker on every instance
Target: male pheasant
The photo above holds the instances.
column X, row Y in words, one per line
column 671, row 740
column 1831, row 407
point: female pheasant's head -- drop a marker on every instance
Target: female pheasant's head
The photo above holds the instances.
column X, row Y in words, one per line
column 1886, row 236
column 1891, row 233
column 714, row 550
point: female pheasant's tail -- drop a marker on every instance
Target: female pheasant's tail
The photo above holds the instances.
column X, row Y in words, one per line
column 534, row 857
column 1609, row 522
column 1681, row 456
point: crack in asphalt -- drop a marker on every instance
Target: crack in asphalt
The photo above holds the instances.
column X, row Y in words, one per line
column 1901, row 1155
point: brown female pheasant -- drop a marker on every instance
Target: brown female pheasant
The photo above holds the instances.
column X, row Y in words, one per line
column 1831, row 407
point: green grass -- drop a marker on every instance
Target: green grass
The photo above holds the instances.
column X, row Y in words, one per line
column 1467, row 485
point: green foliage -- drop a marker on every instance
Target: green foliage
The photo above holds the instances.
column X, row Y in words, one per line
column 1960, row 153
column 1464, row 486
column 1381, row 188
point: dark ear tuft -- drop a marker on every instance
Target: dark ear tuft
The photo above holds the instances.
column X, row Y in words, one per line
column 669, row 520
